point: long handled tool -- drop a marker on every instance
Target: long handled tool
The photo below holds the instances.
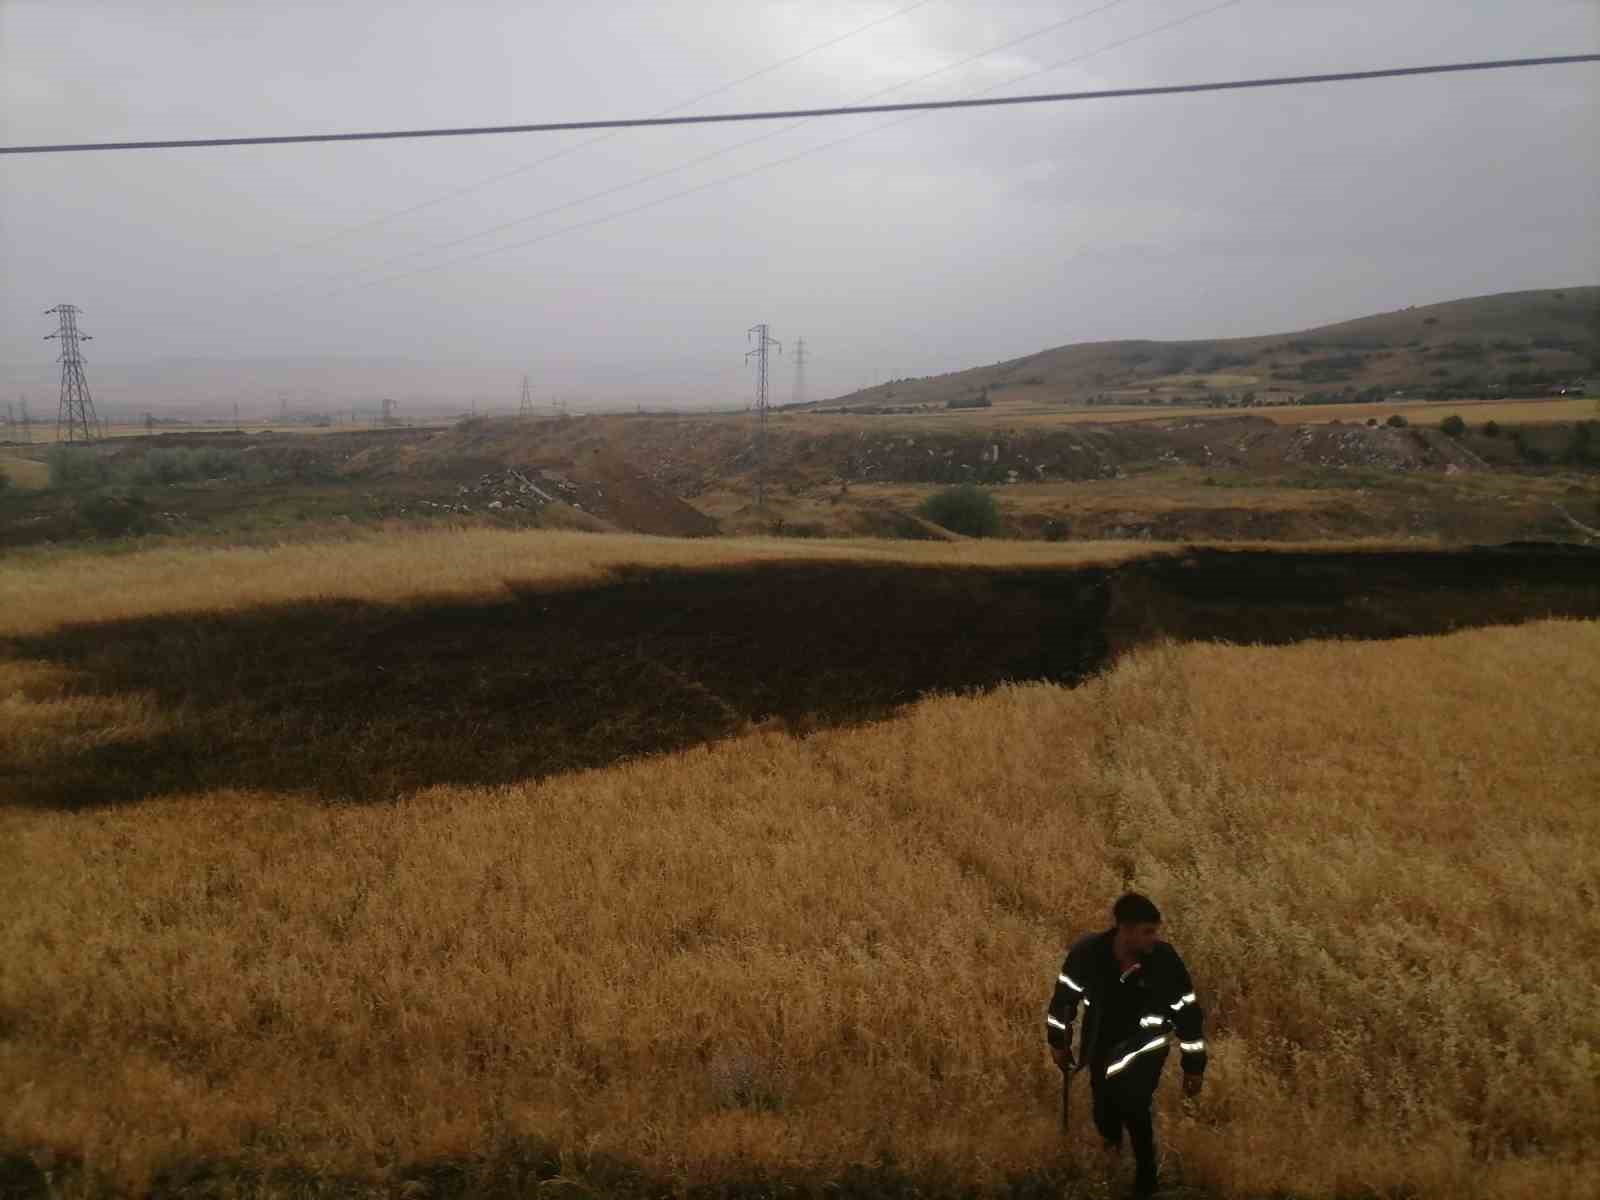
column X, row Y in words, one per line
column 1066, row 1098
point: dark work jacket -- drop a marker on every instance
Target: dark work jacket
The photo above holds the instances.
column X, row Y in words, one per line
column 1164, row 998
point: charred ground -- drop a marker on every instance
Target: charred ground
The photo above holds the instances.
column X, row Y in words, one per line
column 346, row 700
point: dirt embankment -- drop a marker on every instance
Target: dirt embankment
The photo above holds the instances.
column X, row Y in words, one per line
column 689, row 456
column 1089, row 452
column 364, row 701
column 514, row 463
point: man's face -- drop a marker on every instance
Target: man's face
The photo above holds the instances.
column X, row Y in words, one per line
column 1140, row 938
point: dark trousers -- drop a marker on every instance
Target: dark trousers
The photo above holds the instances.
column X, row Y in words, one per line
column 1113, row 1114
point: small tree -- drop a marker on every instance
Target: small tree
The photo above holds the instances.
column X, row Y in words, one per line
column 965, row 509
column 1453, row 425
column 1491, row 429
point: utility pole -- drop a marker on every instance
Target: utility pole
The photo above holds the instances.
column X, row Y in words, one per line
column 526, row 408
column 800, row 371
column 763, row 344
column 149, row 423
column 388, row 412
column 77, row 420
column 283, row 408
column 236, row 416
column 27, row 422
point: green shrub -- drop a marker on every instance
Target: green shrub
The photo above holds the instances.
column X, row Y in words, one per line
column 1453, row 425
column 965, row 509
column 1491, row 429
column 1397, row 422
column 113, row 516
column 179, row 464
column 75, row 467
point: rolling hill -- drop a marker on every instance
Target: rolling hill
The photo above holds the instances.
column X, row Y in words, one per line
column 1514, row 343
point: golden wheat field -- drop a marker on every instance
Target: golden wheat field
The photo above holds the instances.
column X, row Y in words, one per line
column 793, row 954
column 51, row 587
column 42, row 589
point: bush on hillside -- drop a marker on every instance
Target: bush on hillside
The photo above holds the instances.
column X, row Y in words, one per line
column 981, row 400
column 1397, row 422
column 1491, row 429
column 965, row 509
column 1453, row 425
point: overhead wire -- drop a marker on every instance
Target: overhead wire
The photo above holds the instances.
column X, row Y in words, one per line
column 813, row 113
column 490, row 180
column 777, row 162
column 710, row 155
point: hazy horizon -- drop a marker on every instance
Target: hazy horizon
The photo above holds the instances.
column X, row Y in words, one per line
column 912, row 247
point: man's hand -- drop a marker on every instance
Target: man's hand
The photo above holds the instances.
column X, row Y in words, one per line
column 1063, row 1057
column 1192, row 1085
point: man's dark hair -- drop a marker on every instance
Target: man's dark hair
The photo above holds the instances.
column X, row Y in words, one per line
column 1135, row 909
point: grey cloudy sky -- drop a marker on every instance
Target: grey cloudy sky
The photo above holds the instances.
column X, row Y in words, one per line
column 915, row 246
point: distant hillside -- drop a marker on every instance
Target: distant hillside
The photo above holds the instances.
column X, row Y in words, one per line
column 1512, row 344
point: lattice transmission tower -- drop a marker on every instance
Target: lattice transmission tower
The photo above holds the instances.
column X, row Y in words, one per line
column 763, row 344
column 800, row 357
column 527, row 398
column 77, row 421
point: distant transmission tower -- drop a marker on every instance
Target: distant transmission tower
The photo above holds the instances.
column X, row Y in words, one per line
column 27, row 421
column 526, row 409
column 388, row 412
column 763, row 344
column 77, row 420
column 800, row 371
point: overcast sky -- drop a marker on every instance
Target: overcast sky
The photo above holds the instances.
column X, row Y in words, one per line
column 913, row 247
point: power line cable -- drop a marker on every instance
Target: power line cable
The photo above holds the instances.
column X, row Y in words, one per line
column 721, row 152
column 812, row 113
column 486, row 181
column 778, row 162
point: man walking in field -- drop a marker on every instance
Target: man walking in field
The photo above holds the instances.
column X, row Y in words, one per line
column 1135, row 992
